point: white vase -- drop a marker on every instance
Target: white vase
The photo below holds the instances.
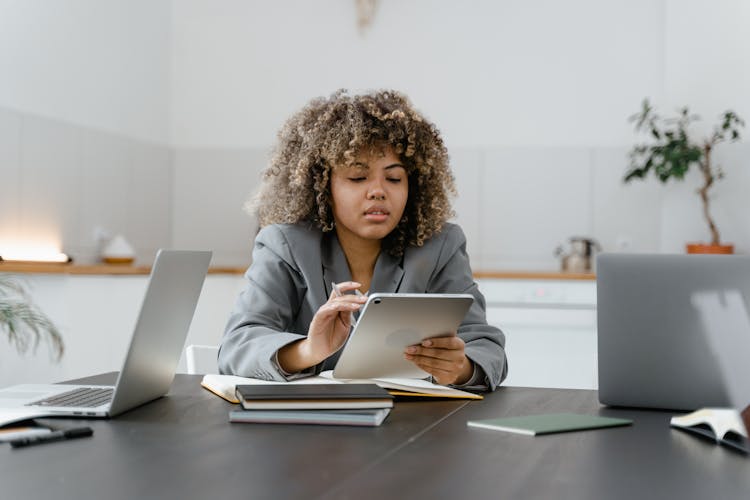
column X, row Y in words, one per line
column 118, row 251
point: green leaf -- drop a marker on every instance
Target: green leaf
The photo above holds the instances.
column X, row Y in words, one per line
column 24, row 325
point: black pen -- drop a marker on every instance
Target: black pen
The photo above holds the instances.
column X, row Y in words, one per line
column 76, row 432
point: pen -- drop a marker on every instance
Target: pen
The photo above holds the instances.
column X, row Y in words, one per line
column 337, row 293
column 76, row 432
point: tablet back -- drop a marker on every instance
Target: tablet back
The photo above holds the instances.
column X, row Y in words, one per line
column 388, row 323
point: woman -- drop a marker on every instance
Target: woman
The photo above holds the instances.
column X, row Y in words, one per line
column 356, row 194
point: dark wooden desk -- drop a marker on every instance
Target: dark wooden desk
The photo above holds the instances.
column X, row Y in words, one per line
column 183, row 447
column 648, row 460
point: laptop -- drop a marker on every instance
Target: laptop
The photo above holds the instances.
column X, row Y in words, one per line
column 666, row 338
column 723, row 314
column 156, row 345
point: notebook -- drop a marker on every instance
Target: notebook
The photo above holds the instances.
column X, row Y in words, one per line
column 367, row 417
column 663, row 325
column 155, row 347
column 284, row 396
column 552, row 423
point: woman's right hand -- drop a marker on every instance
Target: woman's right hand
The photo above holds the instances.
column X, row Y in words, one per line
column 328, row 330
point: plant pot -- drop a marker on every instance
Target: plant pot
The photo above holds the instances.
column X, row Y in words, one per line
column 709, row 248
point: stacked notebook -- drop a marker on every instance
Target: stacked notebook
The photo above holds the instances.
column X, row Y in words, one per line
column 322, row 404
column 224, row 386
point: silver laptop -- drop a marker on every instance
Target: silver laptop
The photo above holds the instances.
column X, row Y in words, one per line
column 659, row 322
column 156, row 345
column 723, row 313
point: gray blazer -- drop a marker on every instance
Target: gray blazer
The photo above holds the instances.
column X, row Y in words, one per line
column 290, row 278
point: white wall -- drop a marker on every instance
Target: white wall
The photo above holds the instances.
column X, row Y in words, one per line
column 487, row 72
column 227, row 73
column 84, row 124
column 103, row 64
column 532, row 97
column 707, row 57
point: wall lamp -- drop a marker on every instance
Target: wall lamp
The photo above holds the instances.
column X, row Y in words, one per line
column 36, row 257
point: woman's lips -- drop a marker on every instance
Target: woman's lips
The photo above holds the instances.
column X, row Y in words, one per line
column 377, row 214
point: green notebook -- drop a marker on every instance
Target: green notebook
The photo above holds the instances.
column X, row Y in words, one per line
column 549, row 423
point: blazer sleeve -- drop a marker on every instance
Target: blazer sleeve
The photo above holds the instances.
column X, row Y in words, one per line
column 485, row 344
column 260, row 323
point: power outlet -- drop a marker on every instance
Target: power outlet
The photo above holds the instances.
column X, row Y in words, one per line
column 624, row 243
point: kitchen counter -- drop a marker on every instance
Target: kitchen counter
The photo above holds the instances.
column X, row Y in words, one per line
column 92, row 269
column 533, row 275
column 114, row 269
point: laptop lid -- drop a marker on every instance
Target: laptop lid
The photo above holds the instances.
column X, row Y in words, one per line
column 176, row 281
column 156, row 344
column 654, row 349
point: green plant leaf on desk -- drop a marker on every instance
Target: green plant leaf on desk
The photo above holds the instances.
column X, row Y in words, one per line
column 23, row 323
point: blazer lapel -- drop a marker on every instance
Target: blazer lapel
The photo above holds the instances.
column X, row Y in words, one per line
column 335, row 267
column 386, row 278
column 388, row 274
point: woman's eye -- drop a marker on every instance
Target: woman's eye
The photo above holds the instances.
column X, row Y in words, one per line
column 394, row 180
column 357, row 179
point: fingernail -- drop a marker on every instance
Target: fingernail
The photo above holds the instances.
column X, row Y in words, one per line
column 411, row 349
column 427, row 343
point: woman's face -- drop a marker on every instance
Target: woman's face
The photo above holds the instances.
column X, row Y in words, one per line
column 370, row 196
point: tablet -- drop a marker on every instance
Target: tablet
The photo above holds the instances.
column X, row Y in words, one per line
column 388, row 323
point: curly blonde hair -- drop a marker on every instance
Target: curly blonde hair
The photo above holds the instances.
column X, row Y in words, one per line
column 329, row 133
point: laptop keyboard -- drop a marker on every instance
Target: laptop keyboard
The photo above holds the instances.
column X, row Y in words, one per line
column 84, row 397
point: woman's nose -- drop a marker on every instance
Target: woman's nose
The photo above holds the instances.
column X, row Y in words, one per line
column 376, row 191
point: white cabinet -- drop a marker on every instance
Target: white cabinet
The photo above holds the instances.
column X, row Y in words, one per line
column 550, row 326
column 96, row 316
column 550, row 330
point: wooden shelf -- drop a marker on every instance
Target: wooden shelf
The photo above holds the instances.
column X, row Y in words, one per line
column 534, row 275
column 114, row 269
column 92, row 269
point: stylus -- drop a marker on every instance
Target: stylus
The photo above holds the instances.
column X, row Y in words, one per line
column 76, row 432
column 337, row 293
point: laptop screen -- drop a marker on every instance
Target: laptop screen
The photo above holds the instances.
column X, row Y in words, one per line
column 725, row 318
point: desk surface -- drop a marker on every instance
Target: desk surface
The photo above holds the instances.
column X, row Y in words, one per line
column 183, row 447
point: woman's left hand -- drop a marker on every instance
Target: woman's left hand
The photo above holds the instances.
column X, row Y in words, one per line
column 443, row 358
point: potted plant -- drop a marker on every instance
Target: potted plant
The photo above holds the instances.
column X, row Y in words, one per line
column 22, row 322
column 670, row 152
